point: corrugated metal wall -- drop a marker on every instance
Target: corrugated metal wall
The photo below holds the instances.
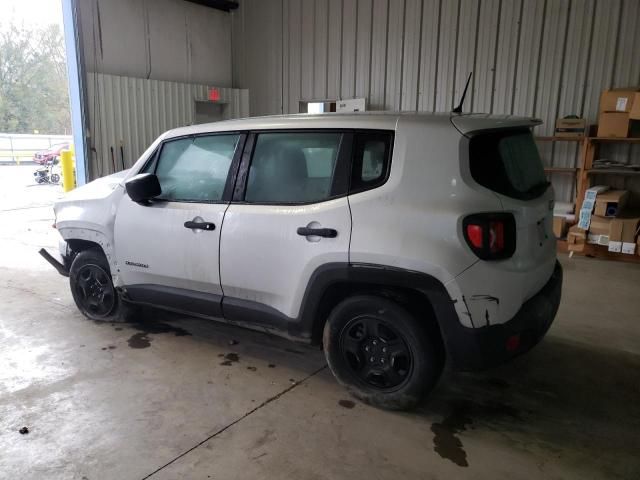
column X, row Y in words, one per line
column 542, row 58
column 133, row 112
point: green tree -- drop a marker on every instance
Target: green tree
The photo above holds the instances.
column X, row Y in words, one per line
column 33, row 80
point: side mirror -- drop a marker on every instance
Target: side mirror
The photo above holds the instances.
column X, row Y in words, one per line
column 143, row 187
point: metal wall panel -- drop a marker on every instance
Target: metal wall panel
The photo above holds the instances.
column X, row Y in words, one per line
column 543, row 58
column 349, row 29
column 132, row 112
column 411, row 54
column 429, row 50
column 485, row 56
column 378, row 54
column 467, row 45
column 334, row 50
column 395, row 40
column 158, row 39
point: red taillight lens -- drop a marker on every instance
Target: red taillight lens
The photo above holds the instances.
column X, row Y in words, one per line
column 475, row 235
column 491, row 236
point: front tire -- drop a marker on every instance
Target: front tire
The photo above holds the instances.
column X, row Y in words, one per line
column 380, row 352
column 93, row 291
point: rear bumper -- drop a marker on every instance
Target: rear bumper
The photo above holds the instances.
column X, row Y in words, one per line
column 479, row 348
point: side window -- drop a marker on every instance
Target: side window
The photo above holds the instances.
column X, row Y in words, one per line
column 194, row 169
column 295, row 167
column 372, row 154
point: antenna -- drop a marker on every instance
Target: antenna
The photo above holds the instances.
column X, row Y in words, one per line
column 458, row 109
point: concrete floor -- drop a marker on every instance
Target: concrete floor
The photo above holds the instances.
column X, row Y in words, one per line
column 179, row 398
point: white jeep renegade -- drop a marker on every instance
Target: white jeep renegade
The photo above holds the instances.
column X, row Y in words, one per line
column 399, row 242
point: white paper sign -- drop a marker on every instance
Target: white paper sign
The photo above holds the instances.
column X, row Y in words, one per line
column 615, row 246
column 621, row 104
column 628, row 248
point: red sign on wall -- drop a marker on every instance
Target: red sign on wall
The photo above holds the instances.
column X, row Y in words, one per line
column 214, row 94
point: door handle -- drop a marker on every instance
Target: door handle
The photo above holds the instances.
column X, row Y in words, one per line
column 200, row 225
column 317, row 232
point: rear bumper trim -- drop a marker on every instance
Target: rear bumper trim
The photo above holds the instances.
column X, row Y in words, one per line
column 484, row 347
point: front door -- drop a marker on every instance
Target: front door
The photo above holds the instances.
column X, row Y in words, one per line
column 167, row 250
column 289, row 217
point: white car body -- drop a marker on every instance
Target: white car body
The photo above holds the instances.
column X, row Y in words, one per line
column 255, row 258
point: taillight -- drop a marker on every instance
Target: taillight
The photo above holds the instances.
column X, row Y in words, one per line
column 491, row 236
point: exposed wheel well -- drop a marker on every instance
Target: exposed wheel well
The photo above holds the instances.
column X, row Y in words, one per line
column 413, row 300
column 77, row 245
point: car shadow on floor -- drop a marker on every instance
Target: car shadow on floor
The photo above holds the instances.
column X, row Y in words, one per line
column 232, row 340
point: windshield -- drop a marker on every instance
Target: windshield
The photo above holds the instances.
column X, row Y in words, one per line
column 508, row 163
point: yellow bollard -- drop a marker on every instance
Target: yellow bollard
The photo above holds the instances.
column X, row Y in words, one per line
column 68, row 168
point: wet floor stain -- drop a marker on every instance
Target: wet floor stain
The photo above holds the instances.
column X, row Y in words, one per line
column 446, row 440
column 110, row 347
column 347, row 404
column 139, row 340
column 271, row 365
column 230, row 359
column 118, row 329
column 142, row 339
column 253, row 369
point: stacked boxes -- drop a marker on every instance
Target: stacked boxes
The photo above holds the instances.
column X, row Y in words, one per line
column 605, row 221
column 619, row 113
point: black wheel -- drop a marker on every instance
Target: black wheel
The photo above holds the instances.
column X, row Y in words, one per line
column 93, row 291
column 380, row 352
column 55, row 178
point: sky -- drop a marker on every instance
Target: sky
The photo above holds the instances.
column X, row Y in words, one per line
column 31, row 12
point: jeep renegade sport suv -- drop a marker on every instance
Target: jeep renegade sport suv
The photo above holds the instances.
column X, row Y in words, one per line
column 397, row 241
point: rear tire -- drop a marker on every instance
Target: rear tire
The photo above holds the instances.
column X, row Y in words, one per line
column 380, row 352
column 93, row 291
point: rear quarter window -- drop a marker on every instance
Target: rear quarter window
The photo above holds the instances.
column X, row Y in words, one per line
column 508, row 162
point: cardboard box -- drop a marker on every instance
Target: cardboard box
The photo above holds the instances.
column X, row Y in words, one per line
column 634, row 113
column 576, row 239
column 622, row 236
column 619, row 234
column 613, row 125
column 599, row 230
column 598, row 239
column 570, row 127
column 618, row 99
column 559, row 226
column 611, row 203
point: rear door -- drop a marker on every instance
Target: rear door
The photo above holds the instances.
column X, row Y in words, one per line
column 289, row 216
column 167, row 250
